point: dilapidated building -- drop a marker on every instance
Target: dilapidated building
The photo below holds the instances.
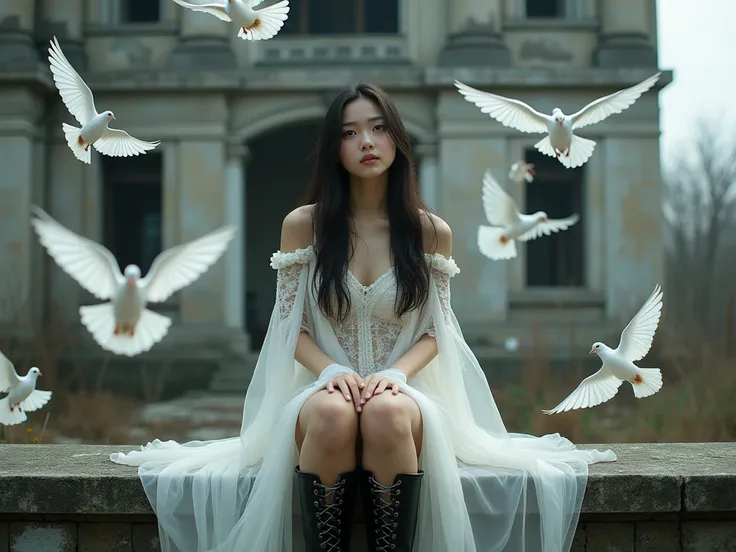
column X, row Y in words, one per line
column 238, row 122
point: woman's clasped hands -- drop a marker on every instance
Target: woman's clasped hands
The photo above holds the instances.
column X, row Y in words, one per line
column 358, row 390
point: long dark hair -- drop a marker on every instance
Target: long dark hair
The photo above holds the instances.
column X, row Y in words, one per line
column 332, row 217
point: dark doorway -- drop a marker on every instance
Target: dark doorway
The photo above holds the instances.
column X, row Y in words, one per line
column 555, row 260
column 276, row 180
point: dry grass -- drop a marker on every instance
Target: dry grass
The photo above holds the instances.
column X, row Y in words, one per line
column 695, row 404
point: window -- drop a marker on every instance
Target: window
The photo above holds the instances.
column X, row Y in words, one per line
column 545, row 8
column 328, row 17
column 141, row 11
column 132, row 208
column 557, row 259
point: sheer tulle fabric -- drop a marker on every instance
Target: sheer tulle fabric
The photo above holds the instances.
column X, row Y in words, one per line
column 484, row 489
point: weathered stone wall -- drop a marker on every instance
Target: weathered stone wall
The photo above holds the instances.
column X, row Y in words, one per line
column 655, row 498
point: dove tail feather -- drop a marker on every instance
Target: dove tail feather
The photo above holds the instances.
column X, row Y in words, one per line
column 647, row 382
column 493, row 245
column 100, row 321
column 269, row 22
column 73, row 137
column 545, row 146
column 580, row 151
column 11, row 418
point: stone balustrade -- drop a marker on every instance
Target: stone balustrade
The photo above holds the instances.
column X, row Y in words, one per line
column 668, row 497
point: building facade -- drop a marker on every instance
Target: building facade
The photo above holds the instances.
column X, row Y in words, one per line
column 238, row 122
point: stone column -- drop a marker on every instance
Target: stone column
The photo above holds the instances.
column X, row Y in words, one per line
column 204, row 43
column 625, row 40
column 23, row 159
column 238, row 156
column 64, row 21
column 475, row 34
column 17, row 50
column 428, row 177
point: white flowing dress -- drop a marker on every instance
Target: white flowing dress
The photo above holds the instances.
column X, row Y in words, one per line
column 484, row 489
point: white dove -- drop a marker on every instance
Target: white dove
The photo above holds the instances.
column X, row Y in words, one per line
column 618, row 364
column 124, row 325
column 78, row 99
column 571, row 150
column 521, row 170
column 498, row 241
column 255, row 24
column 22, row 393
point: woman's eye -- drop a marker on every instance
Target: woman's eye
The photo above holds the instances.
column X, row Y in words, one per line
column 347, row 133
column 380, row 128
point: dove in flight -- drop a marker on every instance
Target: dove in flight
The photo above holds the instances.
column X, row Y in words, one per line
column 521, row 170
column 124, row 325
column 22, row 393
column 618, row 364
column 561, row 142
column 498, row 242
column 94, row 131
column 254, row 24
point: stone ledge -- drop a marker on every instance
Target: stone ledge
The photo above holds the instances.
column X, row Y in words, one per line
column 684, row 479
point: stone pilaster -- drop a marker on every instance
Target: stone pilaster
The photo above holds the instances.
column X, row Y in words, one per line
column 625, row 39
column 64, row 20
column 475, row 35
column 204, row 43
column 237, row 159
column 428, row 174
column 17, row 50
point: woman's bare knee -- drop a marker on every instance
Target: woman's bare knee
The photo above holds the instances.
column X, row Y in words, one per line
column 329, row 420
column 387, row 419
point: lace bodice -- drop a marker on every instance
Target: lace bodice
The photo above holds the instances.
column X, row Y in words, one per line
column 370, row 331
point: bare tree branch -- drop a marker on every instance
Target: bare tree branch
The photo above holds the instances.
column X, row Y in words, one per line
column 700, row 209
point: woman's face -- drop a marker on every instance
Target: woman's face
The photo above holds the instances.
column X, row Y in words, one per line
column 367, row 149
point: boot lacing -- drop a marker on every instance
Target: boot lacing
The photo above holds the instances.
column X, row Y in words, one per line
column 328, row 515
column 385, row 513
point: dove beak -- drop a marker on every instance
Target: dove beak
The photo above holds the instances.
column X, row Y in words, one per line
column 131, row 282
column 591, row 352
column 40, row 374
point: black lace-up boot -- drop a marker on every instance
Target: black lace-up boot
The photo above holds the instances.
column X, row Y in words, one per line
column 327, row 512
column 391, row 511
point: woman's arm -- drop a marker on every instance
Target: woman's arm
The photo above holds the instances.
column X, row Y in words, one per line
column 296, row 233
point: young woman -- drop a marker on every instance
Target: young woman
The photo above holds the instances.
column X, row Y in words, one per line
column 365, row 381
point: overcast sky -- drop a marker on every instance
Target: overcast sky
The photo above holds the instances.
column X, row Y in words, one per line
column 697, row 40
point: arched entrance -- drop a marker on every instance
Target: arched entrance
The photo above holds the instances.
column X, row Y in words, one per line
column 278, row 173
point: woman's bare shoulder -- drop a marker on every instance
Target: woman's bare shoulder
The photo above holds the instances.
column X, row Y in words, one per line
column 436, row 234
column 297, row 229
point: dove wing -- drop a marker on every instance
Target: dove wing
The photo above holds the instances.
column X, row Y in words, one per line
column 213, row 8
column 637, row 337
column 592, row 391
column 181, row 265
column 606, row 106
column 509, row 112
column 546, row 228
column 118, row 143
column 8, row 375
column 499, row 207
column 74, row 92
column 89, row 263
column 37, row 399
